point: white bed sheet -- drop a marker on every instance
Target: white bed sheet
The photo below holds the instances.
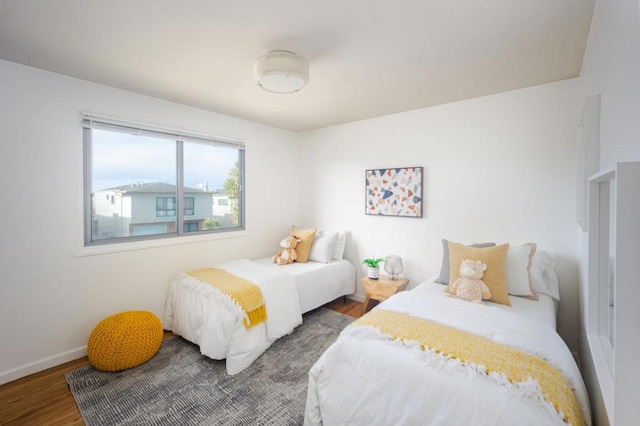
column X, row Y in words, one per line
column 366, row 379
column 541, row 311
column 318, row 283
column 203, row 315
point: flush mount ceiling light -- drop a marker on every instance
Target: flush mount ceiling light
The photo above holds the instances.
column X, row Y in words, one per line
column 281, row 71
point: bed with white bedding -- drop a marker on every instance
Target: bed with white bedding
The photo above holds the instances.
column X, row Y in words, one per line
column 318, row 283
column 207, row 317
column 369, row 378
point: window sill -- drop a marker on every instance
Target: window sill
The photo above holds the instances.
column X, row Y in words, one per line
column 162, row 242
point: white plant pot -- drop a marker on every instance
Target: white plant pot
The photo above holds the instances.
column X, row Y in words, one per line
column 373, row 273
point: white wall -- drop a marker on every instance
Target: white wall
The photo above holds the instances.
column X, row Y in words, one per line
column 51, row 298
column 498, row 168
column 611, row 68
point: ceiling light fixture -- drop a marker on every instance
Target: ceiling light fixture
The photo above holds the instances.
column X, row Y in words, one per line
column 281, row 71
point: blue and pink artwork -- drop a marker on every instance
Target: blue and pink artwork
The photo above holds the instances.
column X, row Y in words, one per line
column 394, row 192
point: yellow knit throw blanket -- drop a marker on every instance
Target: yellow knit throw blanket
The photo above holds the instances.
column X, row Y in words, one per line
column 517, row 366
column 246, row 294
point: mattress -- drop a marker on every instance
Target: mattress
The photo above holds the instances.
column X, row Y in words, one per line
column 318, row 283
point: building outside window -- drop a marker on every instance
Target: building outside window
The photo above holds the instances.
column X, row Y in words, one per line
column 144, row 182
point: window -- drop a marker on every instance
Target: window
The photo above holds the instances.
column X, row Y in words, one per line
column 191, row 226
column 223, row 202
column 166, row 206
column 143, row 182
column 189, row 206
column 614, row 244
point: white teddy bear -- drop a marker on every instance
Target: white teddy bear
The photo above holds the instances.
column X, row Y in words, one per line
column 470, row 285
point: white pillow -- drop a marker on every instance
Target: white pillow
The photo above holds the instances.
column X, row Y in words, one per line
column 341, row 243
column 323, row 246
column 517, row 266
column 543, row 274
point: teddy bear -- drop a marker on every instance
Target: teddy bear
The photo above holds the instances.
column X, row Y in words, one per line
column 469, row 286
column 287, row 253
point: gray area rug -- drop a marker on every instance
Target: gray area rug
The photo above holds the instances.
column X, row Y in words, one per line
column 179, row 386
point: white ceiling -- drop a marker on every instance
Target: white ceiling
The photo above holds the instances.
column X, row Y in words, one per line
column 368, row 58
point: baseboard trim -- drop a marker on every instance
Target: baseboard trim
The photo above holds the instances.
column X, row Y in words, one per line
column 40, row 365
column 53, row 361
column 356, row 297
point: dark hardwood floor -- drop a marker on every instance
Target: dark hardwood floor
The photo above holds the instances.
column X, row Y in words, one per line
column 351, row 307
column 45, row 399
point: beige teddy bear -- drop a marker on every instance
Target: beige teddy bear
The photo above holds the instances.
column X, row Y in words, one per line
column 470, row 285
column 287, row 253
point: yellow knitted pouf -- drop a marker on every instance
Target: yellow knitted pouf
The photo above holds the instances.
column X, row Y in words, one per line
column 124, row 340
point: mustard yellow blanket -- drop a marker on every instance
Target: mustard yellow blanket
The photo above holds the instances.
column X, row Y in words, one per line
column 517, row 366
column 244, row 293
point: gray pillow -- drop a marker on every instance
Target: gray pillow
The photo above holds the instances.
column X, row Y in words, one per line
column 445, row 273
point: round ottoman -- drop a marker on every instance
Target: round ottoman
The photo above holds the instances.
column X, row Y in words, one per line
column 124, row 340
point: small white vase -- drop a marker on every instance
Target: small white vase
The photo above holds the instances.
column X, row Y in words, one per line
column 373, row 273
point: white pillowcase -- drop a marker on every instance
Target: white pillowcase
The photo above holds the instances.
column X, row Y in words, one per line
column 323, row 246
column 341, row 243
column 517, row 266
column 543, row 274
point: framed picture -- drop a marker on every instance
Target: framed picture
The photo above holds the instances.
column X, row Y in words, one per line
column 394, row 192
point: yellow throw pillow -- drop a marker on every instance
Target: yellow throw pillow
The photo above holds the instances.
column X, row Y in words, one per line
column 495, row 277
column 304, row 246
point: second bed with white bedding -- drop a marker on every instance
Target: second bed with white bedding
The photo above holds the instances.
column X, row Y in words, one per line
column 201, row 314
column 368, row 378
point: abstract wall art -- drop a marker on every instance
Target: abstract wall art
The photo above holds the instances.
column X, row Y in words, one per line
column 394, row 192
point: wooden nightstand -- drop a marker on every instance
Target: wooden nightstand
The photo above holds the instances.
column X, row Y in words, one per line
column 381, row 289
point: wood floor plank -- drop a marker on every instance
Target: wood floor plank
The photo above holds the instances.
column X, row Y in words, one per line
column 44, row 398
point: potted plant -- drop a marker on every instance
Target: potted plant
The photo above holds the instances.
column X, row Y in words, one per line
column 373, row 267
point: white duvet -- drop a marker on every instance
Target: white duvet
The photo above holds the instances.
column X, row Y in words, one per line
column 365, row 378
column 209, row 318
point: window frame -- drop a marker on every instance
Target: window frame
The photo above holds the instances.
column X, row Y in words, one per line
column 613, row 247
column 193, row 206
column 91, row 121
column 167, row 198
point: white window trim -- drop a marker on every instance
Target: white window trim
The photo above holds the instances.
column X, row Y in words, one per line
column 119, row 247
column 624, row 178
column 91, row 120
column 95, row 121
